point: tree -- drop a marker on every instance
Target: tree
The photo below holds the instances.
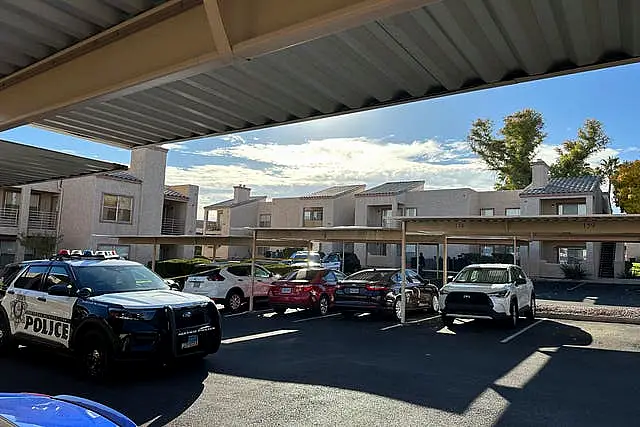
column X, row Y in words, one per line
column 607, row 170
column 41, row 245
column 511, row 155
column 574, row 153
column 626, row 187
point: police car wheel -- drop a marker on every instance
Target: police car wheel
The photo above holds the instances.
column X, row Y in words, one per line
column 94, row 355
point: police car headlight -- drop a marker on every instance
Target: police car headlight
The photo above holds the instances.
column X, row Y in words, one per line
column 131, row 314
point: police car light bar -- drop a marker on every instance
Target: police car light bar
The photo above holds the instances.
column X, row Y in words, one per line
column 86, row 254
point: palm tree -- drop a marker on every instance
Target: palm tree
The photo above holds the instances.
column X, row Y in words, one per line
column 607, row 169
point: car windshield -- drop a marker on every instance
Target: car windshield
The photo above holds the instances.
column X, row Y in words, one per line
column 305, row 257
column 371, row 276
column 303, row 274
column 118, row 278
column 483, row 275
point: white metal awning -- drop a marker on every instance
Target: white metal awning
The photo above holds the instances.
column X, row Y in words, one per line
column 22, row 164
column 445, row 47
column 133, row 73
column 31, row 30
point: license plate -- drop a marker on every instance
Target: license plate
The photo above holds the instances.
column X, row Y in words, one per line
column 192, row 341
column 285, row 290
column 354, row 290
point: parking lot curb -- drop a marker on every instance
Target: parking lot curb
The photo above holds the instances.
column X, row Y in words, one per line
column 591, row 318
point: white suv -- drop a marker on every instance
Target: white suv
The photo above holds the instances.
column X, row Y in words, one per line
column 488, row 291
column 231, row 284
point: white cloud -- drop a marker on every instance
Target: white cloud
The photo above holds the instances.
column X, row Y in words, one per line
column 549, row 154
column 177, row 146
column 283, row 170
column 280, row 170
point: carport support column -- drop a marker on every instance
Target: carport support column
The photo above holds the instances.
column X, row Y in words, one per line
column 253, row 268
column 155, row 255
column 515, row 250
column 342, row 259
column 403, row 271
column 309, row 249
column 445, row 261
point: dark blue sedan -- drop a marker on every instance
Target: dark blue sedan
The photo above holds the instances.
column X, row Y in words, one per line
column 36, row 410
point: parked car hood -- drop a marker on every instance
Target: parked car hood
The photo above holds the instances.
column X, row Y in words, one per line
column 150, row 299
column 30, row 410
column 473, row 287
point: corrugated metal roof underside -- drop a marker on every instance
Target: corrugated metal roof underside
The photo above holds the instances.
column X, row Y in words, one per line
column 31, row 30
column 445, row 47
column 23, row 164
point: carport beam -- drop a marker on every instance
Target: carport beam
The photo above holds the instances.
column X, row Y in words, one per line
column 403, row 273
column 253, row 268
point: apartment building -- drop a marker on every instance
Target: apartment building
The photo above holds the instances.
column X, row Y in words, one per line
column 27, row 211
column 569, row 196
column 330, row 207
column 375, row 207
column 81, row 211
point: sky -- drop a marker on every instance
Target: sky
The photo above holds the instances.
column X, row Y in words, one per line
column 417, row 141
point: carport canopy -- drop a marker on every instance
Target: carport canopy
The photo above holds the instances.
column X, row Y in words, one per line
column 23, row 164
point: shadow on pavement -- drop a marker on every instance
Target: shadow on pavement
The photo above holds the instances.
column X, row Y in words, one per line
column 590, row 293
column 417, row 364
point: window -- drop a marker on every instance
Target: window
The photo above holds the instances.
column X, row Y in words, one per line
column 487, row 250
column 312, row 214
column 7, row 251
column 576, row 255
column 379, row 249
column 572, row 209
column 410, row 212
column 58, row 275
column 12, row 199
column 34, row 202
column 31, row 278
column 240, row 270
column 487, row 212
column 264, row 220
column 512, row 212
column 118, row 278
column 116, row 208
column 483, row 275
column 261, row 273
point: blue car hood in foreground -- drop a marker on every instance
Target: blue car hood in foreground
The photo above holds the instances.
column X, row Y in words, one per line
column 34, row 410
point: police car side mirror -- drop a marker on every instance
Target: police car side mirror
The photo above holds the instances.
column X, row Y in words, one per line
column 61, row 290
column 84, row 292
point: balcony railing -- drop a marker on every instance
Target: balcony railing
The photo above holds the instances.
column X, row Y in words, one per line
column 42, row 220
column 213, row 227
column 9, row 217
column 172, row 226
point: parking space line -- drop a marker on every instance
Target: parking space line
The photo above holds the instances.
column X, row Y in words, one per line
column 317, row 317
column 577, row 286
column 386, row 328
column 258, row 336
column 247, row 312
column 523, row 330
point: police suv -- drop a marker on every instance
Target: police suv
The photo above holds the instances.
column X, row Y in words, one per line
column 104, row 311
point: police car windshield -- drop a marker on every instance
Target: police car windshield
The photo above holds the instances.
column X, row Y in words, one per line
column 118, row 278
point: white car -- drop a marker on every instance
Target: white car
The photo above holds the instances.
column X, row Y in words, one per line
column 231, row 284
column 305, row 259
column 488, row 291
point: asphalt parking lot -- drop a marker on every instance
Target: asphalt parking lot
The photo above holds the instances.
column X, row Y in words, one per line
column 296, row 369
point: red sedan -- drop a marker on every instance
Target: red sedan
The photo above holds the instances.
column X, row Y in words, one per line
column 309, row 288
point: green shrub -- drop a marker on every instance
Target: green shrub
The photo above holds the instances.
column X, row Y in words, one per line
column 574, row 271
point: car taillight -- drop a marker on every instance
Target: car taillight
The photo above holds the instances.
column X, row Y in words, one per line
column 376, row 287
